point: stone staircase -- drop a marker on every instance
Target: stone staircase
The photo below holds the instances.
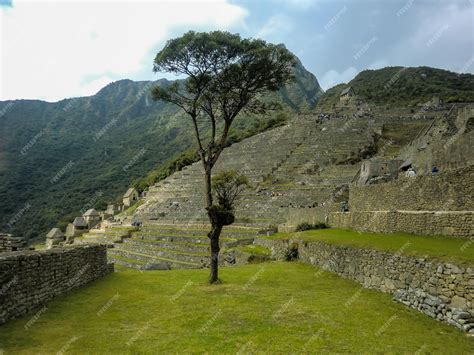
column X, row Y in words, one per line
column 161, row 246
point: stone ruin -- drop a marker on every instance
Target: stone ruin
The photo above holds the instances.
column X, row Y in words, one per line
column 54, row 238
column 10, row 243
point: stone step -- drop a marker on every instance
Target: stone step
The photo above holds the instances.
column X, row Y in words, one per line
column 127, row 262
column 202, row 239
column 180, row 246
column 171, row 254
column 150, row 259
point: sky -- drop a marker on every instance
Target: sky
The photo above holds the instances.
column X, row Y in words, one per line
column 60, row 49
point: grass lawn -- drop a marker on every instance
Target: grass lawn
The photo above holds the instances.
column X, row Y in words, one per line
column 460, row 251
column 261, row 308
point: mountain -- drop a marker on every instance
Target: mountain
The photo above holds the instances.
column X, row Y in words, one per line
column 58, row 159
column 404, row 86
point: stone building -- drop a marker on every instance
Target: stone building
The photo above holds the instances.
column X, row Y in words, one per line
column 54, row 238
column 373, row 171
column 91, row 217
column 114, row 208
column 130, row 197
column 10, row 243
column 77, row 227
column 346, row 94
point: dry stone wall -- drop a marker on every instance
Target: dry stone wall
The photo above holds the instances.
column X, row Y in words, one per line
column 441, row 204
column 456, row 224
column 440, row 290
column 446, row 191
column 443, row 291
column 29, row 279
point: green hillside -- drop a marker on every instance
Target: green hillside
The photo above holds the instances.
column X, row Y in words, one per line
column 57, row 159
column 400, row 86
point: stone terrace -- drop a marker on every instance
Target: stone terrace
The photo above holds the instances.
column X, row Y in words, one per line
column 297, row 165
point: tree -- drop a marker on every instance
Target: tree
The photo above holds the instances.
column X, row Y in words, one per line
column 225, row 75
column 228, row 186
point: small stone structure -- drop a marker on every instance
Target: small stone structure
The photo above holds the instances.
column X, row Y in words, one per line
column 91, row 217
column 10, row 243
column 29, row 279
column 443, row 291
column 54, row 238
column 77, row 227
column 346, row 94
column 130, row 197
column 114, row 208
column 372, row 171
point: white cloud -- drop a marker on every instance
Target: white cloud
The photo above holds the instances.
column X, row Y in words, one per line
column 278, row 24
column 333, row 77
column 49, row 49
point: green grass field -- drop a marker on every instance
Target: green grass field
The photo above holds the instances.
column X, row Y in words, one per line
column 457, row 250
column 262, row 308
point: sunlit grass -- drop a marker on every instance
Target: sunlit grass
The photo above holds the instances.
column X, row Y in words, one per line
column 438, row 247
column 260, row 308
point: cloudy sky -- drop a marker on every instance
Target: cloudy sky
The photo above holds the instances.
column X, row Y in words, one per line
column 53, row 50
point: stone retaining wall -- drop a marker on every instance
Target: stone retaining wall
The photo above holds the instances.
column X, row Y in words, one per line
column 449, row 223
column 31, row 278
column 443, row 291
column 452, row 190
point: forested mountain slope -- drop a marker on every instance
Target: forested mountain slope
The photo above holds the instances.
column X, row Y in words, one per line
column 57, row 159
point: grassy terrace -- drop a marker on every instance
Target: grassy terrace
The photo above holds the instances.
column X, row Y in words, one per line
column 441, row 248
column 261, row 308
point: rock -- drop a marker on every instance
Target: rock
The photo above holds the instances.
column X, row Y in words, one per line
column 462, row 315
column 156, row 266
column 458, row 302
column 432, row 300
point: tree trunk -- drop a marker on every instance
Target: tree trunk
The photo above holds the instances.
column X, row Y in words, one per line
column 214, row 237
column 216, row 227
